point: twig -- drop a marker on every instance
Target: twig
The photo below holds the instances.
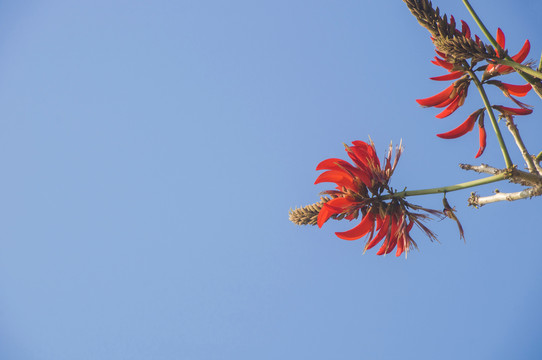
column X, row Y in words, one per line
column 537, row 165
column 483, row 169
column 478, row 201
column 515, row 133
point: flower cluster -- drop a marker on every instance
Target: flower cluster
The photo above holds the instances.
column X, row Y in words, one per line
column 360, row 191
column 497, row 69
column 463, row 73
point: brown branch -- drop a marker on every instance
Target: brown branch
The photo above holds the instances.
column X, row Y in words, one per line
column 519, row 142
column 478, row 201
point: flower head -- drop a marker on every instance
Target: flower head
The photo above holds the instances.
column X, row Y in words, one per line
column 360, row 192
column 466, row 127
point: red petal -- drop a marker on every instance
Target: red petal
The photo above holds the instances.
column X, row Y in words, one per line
column 500, row 38
column 338, row 177
column 332, row 207
column 391, row 240
column 482, row 138
column 462, row 129
column 517, row 90
column 441, row 54
column 465, row 30
column 366, row 153
column 383, row 231
column 366, row 225
column 445, row 103
column 438, row 98
column 522, row 54
column 454, row 105
column 339, row 165
column 442, row 63
column 332, row 164
column 451, row 76
column 402, row 243
column 387, row 246
column 512, row 111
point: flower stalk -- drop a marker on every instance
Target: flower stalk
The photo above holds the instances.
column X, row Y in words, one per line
column 519, row 142
column 500, row 139
column 446, row 189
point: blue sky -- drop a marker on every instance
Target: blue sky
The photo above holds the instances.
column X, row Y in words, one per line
column 151, row 152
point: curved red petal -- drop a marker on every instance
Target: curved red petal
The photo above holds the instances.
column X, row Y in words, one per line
column 332, row 207
column 518, row 90
column 391, row 239
column 445, row 103
column 512, row 111
column 462, row 129
column 500, row 38
column 482, row 138
column 360, row 230
column 454, row 105
column 366, row 153
column 332, row 164
column 438, row 98
column 392, row 245
column 340, row 178
column 387, row 246
column 442, row 63
column 522, row 54
column 465, row 30
column 451, row 76
column 378, row 237
column 402, row 243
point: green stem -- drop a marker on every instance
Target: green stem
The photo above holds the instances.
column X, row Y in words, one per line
column 445, row 189
column 521, row 68
column 483, row 94
column 481, row 25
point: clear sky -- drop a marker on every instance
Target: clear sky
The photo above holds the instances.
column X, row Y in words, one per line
column 151, row 150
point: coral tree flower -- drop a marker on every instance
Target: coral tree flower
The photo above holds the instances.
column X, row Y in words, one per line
column 454, row 95
column 358, row 191
column 466, row 127
column 516, row 90
column 497, row 69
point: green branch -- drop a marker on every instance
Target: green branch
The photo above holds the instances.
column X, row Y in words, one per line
column 483, row 94
column 445, row 189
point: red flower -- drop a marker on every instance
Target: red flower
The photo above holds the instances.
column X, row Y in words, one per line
column 507, row 111
column 497, row 69
column 452, row 97
column 482, row 139
column 466, row 127
column 516, row 90
column 358, row 192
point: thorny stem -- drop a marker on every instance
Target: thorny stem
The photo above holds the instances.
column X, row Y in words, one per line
column 445, row 189
column 505, row 154
column 525, row 72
